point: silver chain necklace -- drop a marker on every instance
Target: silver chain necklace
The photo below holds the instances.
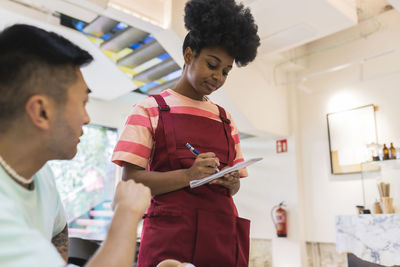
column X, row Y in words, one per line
column 13, row 173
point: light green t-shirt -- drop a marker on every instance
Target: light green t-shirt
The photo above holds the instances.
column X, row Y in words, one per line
column 28, row 221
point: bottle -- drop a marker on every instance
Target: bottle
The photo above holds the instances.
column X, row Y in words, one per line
column 375, row 152
column 392, row 151
column 385, row 152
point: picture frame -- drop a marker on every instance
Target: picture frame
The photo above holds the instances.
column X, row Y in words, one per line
column 349, row 133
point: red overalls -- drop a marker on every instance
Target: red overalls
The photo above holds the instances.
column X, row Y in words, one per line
column 197, row 225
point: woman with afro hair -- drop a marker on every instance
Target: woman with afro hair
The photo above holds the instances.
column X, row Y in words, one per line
column 198, row 225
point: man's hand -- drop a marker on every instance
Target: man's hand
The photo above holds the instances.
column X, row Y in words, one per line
column 174, row 263
column 230, row 180
column 118, row 249
column 133, row 196
column 204, row 165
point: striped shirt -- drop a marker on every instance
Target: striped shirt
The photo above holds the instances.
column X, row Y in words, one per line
column 136, row 142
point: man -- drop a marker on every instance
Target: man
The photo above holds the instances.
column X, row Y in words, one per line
column 42, row 111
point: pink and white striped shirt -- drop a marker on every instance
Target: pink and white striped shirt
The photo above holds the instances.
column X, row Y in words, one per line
column 136, row 142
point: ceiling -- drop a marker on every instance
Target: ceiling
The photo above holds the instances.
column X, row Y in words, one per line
column 286, row 24
column 283, row 25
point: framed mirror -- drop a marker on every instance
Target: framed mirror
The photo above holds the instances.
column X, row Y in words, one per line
column 349, row 132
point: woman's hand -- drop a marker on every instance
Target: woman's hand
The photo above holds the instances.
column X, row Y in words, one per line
column 230, row 180
column 204, row 165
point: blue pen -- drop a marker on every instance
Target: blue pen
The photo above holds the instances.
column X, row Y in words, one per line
column 194, row 151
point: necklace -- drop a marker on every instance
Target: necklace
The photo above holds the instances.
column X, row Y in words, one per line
column 13, row 173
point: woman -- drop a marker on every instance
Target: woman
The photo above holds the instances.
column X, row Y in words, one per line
column 197, row 225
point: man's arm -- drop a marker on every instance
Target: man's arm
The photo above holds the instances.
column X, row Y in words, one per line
column 118, row 250
column 60, row 241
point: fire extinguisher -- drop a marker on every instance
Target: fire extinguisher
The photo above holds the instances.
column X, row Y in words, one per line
column 279, row 218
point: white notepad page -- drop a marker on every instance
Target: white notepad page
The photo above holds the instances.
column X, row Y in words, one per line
column 238, row 166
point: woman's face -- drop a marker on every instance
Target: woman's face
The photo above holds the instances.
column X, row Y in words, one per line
column 208, row 70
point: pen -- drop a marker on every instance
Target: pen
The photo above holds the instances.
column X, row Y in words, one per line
column 194, row 151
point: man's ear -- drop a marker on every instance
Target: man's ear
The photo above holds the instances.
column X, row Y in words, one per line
column 188, row 55
column 38, row 109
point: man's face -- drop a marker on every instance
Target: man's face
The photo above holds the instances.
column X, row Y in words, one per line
column 70, row 119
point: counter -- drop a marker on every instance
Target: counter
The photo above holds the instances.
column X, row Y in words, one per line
column 371, row 237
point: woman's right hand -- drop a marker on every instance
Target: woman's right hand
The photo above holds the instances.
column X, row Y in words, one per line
column 204, row 165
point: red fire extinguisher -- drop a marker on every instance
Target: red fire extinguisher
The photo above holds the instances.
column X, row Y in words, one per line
column 278, row 215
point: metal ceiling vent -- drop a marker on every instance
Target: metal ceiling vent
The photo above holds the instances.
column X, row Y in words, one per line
column 100, row 26
column 141, row 55
column 135, row 52
column 158, row 71
column 123, row 39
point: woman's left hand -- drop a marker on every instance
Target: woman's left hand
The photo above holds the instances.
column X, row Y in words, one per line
column 230, row 180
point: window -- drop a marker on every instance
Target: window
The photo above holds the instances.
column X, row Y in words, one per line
column 86, row 183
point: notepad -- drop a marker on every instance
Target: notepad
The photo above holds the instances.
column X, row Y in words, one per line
column 238, row 166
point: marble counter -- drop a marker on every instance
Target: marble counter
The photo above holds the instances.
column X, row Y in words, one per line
column 371, row 237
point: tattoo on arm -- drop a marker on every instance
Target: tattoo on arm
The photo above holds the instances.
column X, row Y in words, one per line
column 60, row 241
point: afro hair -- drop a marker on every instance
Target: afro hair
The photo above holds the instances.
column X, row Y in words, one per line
column 221, row 23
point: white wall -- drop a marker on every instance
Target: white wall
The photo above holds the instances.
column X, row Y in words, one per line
column 270, row 182
column 112, row 113
column 328, row 195
column 263, row 104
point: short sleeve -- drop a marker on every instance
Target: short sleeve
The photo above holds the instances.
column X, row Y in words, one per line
column 47, row 177
column 21, row 245
column 239, row 155
column 137, row 138
column 60, row 220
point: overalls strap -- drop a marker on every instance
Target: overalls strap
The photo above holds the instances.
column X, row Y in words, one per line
column 169, row 134
column 227, row 129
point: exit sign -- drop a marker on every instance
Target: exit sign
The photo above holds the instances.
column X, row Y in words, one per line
column 281, row 146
